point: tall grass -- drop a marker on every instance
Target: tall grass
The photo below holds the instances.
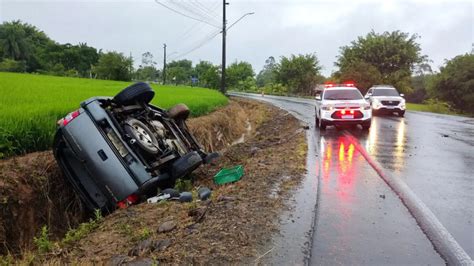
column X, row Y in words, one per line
column 31, row 104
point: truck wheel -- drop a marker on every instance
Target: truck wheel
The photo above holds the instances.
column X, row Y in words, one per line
column 139, row 92
column 179, row 112
column 143, row 136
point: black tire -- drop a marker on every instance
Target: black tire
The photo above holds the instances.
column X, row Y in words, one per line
column 144, row 137
column 322, row 124
column 179, row 112
column 366, row 126
column 316, row 121
column 401, row 113
column 185, row 165
column 139, row 92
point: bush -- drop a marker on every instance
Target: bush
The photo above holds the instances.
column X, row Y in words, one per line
column 438, row 106
column 8, row 65
column 455, row 83
column 84, row 229
column 276, row 89
column 42, row 242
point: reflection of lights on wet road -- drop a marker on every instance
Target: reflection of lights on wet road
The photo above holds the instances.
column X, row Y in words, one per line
column 399, row 150
column 400, row 135
column 338, row 170
column 372, row 140
column 350, row 153
column 341, row 151
column 387, row 143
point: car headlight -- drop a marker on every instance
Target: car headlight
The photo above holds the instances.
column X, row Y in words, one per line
column 326, row 108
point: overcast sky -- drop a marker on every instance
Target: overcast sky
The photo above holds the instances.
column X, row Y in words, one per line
column 277, row 28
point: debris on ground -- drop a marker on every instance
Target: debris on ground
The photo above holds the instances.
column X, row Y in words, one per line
column 229, row 175
column 186, row 197
column 204, row 193
column 167, row 226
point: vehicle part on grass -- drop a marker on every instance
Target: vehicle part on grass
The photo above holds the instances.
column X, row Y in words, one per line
column 204, row 193
column 117, row 151
column 155, row 199
column 186, row 197
column 229, row 175
column 173, row 192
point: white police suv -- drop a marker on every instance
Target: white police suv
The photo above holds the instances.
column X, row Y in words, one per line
column 342, row 104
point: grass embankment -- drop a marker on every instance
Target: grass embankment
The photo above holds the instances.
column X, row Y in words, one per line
column 431, row 108
column 31, row 104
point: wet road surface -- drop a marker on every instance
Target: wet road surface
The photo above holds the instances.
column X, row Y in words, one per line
column 344, row 213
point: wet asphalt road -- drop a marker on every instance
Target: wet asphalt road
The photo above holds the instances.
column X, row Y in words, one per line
column 344, row 213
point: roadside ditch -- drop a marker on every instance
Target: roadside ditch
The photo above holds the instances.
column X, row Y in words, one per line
column 233, row 226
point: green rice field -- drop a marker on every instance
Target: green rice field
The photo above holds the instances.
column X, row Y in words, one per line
column 31, row 104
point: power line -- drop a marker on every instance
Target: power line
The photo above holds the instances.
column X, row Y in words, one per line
column 195, row 9
column 185, row 15
column 201, row 43
column 190, row 10
column 210, row 12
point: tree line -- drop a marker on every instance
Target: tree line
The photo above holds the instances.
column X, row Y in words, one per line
column 377, row 58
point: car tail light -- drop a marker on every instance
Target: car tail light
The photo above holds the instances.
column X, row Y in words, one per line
column 130, row 200
column 343, row 112
column 66, row 120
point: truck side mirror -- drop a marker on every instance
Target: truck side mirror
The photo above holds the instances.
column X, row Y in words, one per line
column 402, row 95
column 318, row 97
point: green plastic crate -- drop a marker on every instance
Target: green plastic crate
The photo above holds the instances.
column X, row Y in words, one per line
column 229, row 175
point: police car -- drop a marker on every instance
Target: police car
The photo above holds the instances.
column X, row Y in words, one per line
column 342, row 104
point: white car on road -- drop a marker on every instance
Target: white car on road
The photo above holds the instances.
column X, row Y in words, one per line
column 342, row 104
column 385, row 98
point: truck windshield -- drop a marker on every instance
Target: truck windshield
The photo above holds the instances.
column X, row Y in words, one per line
column 342, row 95
column 385, row 92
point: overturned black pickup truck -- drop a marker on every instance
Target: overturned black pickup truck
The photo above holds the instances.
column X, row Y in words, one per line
column 118, row 151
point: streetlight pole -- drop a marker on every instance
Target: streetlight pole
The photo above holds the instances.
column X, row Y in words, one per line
column 164, row 64
column 224, row 33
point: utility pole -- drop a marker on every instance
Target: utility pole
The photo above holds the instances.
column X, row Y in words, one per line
column 131, row 66
column 164, row 64
column 224, row 32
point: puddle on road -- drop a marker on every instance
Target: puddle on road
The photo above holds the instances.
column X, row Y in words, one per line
column 292, row 245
